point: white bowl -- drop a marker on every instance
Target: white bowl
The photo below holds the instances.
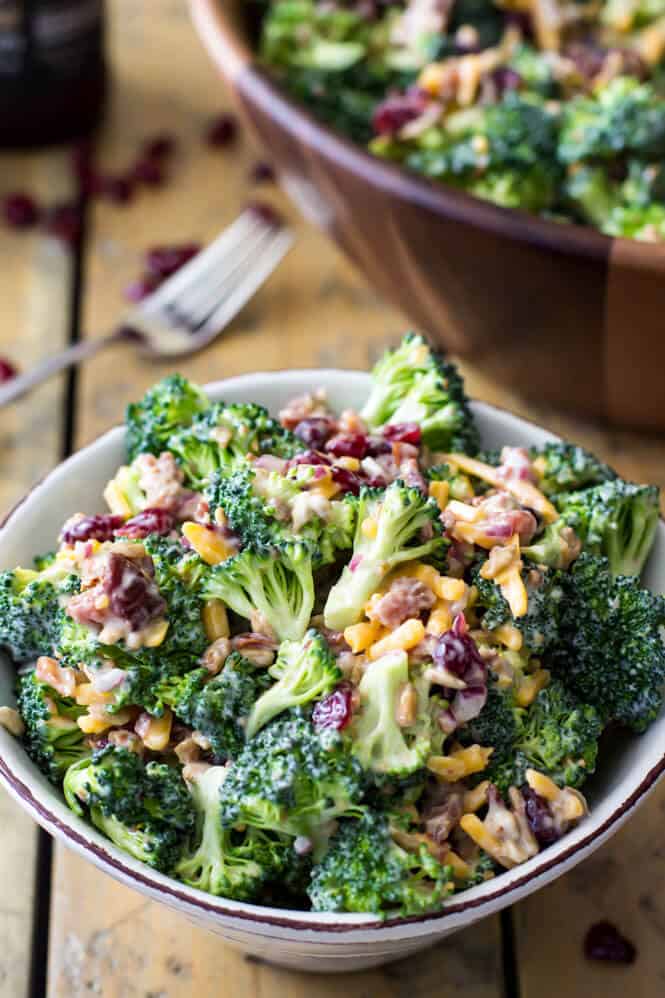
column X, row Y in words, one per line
column 303, row 940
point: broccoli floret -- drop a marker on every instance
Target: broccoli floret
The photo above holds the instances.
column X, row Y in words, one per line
column 557, row 735
column 294, row 780
column 124, row 490
column 170, row 404
column 52, row 738
column 623, row 117
column 365, row 870
column 504, row 152
column 221, row 438
column 617, row 519
column 260, row 510
column 401, row 514
column 223, row 861
column 144, row 808
column 496, row 726
column 299, row 33
column 253, row 516
column 379, row 742
column 540, row 624
column 414, row 384
column 178, row 574
column 483, row 868
column 305, row 670
column 43, row 561
column 637, row 222
column 279, row 585
column 30, row 609
column 592, row 194
column 564, row 467
column 556, row 547
column 459, row 484
column 611, row 652
column 218, row 707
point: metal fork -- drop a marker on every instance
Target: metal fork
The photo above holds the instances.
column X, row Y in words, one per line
column 193, row 306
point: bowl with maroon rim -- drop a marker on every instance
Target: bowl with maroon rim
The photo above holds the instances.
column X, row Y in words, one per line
column 299, row 939
column 557, row 311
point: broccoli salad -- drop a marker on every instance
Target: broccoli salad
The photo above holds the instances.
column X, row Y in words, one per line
column 344, row 662
column 554, row 107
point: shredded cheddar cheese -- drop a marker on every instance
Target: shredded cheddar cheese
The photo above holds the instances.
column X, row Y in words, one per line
column 526, row 493
column 403, row 638
column 530, row 686
column 460, row 763
column 504, row 566
column 440, row 491
column 208, row 544
column 359, row 637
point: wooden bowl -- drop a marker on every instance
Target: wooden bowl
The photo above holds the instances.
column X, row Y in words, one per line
column 559, row 312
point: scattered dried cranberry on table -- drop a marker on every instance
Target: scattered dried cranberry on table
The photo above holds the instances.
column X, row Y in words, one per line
column 7, row 370
column 604, row 942
column 20, row 210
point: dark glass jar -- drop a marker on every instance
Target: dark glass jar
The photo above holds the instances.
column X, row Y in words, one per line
column 52, row 70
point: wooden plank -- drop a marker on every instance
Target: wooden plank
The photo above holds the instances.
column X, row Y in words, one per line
column 314, row 312
column 624, row 882
column 34, row 320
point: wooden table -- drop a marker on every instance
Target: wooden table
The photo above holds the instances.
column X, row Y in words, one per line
column 67, row 930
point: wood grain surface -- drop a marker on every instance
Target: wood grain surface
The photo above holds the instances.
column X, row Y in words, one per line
column 34, row 319
column 315, row 311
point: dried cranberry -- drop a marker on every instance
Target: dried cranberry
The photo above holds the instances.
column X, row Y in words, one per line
column 393, row 113
column 7, row 370
column 504, row 78
column 159, row 146
column 403, row 433
column 262, row 173
column 20, row 211
column 309, row 457
column 92, row 528
column 133, row 594
column 65, row 222
column 348, row 445
column 603, row 941
column 118, row 189
column 314, row 432
column 520, row 19
column 149, row 521
column 148, row 171
column 457, row 653
column 377, row 446
column 222, row 130
column 334, row 711
column 347, row 480
column 142, row 287
column 162, row 261
column 539, row 816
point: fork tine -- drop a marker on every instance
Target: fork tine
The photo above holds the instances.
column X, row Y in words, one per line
column 198, row 301
column 209, row 258
column 260, row 271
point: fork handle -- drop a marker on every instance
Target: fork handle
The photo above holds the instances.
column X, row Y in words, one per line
column 24, row 383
